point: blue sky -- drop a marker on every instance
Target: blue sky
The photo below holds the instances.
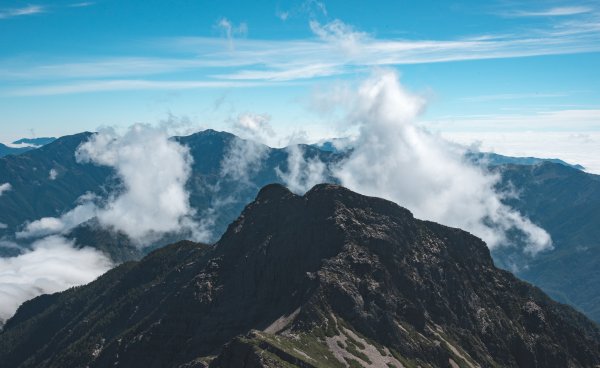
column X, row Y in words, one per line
column 497, row 66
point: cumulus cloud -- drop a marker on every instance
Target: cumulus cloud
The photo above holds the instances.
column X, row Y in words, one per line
column 84, row 211
column 153, row 170
column 152, row 199
column 52, row 265
column 302, row 173
column 5, row 188
column 395, row 159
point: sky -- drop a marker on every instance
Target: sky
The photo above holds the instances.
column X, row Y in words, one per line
column 516, row 77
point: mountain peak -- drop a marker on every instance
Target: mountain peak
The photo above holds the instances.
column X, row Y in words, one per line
column 273, row 192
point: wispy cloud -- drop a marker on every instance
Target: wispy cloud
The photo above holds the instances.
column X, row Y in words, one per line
column 553, row 12
column 511, row 96
column 17, row 12
column 82, row 4
column 230, row 30
column 336, row 49
column 120, row 85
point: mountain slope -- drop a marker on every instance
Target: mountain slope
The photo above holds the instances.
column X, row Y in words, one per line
column 35, row 143
column 34, row 193
column 494, row 159
column 565, row 202
column 6, row 150
column 329, row 279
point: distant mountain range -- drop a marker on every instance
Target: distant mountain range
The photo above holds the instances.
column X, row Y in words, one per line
column 562, row 199
column 25, row 145
column 565, row 202
column 329, row 279
column 38, row 142
column 494, row 159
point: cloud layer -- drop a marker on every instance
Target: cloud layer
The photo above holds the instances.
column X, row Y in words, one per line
column 52, row 265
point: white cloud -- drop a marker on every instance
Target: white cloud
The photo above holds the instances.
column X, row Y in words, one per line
column 52, row 265
column 84, row 211
column 120, row 85
column 53, row 174
column 154, row 171
column 302, row 173
column 284, row 74
column 395, row 159
column 3, row 226
column 338, row 49
column 82, row 4
column 230, row 30
column 340, row 34
column 5, row 188
column 152, row 200
column 553, row 12
column 511, row 96
column 242, row 160
column 256, row 127
column 17, row 12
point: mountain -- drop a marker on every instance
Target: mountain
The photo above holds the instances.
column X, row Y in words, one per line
column 328, row 279
column 35, row 194
column 210, row 149
column 494, row 159
column 38, row 142
column 6, row 150
column 565, row 202
column 29, row 144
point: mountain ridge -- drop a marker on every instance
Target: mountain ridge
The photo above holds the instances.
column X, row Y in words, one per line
column 295, row 276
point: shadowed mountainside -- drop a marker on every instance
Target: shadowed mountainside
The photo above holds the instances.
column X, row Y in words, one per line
column 328, row 279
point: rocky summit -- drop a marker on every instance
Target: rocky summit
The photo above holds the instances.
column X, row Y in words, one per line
column 328, row 279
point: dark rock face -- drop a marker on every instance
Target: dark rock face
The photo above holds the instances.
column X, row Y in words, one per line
column 329, row 279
